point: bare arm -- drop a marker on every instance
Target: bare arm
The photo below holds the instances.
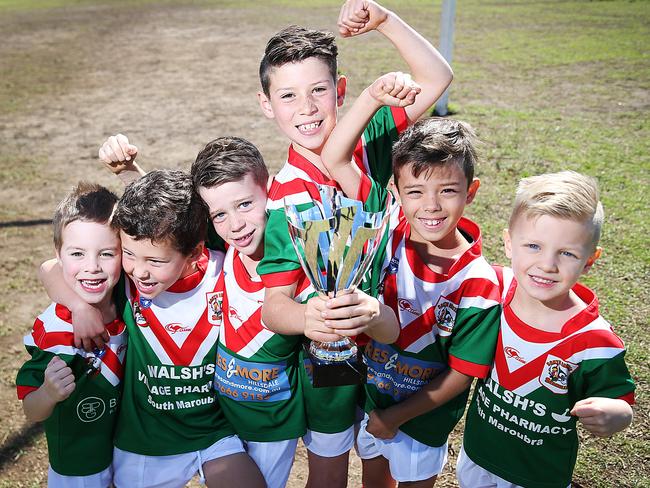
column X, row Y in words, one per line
column 87, row 321
column 57, row 386
column 393, row 89
column 603, row 416
column 385, row 423
column 427, row 66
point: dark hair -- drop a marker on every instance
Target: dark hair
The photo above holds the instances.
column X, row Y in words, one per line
column 227, row 159
column 163, row 206
column 293, row 44
column 87, row 201
column 436, row 141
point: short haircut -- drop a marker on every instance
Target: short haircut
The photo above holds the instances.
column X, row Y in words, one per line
column 294, row 44
column 162, row 206
column 228, row 159
column 434, row 142
column 565, row 195
column 88, row 202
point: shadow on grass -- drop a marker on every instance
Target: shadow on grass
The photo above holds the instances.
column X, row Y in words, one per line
column 17, row 442
column 25, row 223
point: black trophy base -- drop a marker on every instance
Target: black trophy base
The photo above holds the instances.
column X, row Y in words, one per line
column 351, row 372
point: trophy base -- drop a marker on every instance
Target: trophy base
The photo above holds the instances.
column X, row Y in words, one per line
column 341, row 373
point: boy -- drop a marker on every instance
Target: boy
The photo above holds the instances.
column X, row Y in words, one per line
column 170, row 425
column 443, row 291
column 557, row 360
column 76, row 393
column 301, row 92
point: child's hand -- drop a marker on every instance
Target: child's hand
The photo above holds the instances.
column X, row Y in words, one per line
column 117, row 153
column 59, row 380
column 88, row 328
column 380, row 425
column 395, row 89
column 315, row 327
column 350, row 313
column 603, row 416
column 359, row 16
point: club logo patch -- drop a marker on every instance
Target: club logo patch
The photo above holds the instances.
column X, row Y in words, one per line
column 138, row 317
column 214, row 312
column 176, row 327
column 234, row 318
column 446, row 314
column 90, row 409
column 511, row 352
column 555, row 375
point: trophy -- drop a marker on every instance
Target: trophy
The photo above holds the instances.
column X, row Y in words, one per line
column 335, row 240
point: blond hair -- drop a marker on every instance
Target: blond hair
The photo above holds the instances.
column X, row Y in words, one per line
column 565, row 195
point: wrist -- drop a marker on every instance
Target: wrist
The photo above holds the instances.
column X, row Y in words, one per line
column 389, row 19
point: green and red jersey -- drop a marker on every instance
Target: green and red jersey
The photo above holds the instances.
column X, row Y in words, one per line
column 169, row 404
column 80, row 429
column 536, row 379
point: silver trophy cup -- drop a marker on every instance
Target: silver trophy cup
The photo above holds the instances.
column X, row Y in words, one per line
column 335, row 241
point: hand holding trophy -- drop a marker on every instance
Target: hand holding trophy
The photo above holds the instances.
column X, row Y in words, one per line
column 335, row 241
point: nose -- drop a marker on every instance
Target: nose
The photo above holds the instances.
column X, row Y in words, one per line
column 548, row 263
column 308, row 106
column 140, row 271
column 432, row 204
column 237, row 223
column 92, row 264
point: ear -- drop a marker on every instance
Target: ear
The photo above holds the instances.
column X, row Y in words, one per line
column 471, row 191
column 341, row 86
column 196, row 252
column 393, row 187
column 507, row 243
column 592, row 259
column 57, row 253
column 265, row 105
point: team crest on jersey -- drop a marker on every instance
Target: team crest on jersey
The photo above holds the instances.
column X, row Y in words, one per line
column 405, row 305
column 214, row 311
column 393, row 266
column 445, row 314
column 555, row 374
column 138, row 317
column 145, row 302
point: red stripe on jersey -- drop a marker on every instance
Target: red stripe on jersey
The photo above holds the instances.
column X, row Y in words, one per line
column 23, row 391
column 512, row 380
column 357, row 156
column 45, row 340
column 468, row 368
column 301, row 162
column 63, row 313
column 237, row 339
column 282, row 278
column 629, row 398
column 294, row 187
column 423, row 272
column 242, row 277
column 416, row 329
column 112, row 361
column 400, row 118
column 365, row 185
column 475, row 287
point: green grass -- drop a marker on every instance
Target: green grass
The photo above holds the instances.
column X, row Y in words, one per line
column 547, row 85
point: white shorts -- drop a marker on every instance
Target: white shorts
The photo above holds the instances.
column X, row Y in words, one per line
column 274, row 460
column 102, row 479
column 408, row 459
column 329, row 445
column 140, row 471
column 471, row 475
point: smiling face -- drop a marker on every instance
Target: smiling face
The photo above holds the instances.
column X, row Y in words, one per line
column 548, row 255
column 434, row 202
column 238, row 212
column 303, row 100
column 155, row 266
column 90, row 260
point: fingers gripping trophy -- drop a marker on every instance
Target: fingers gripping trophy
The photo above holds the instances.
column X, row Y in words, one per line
column 335, row 241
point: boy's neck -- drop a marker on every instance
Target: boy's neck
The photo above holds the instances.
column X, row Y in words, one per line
column 546, row 316
column 311, row 156
column 440, row 256
column 250, row 264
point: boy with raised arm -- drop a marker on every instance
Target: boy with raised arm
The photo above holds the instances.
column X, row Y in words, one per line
column 558, row 362
column 443, row 291
column 75, row 393
column 301, row 91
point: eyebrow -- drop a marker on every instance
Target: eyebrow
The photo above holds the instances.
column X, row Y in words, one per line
column 325, row 80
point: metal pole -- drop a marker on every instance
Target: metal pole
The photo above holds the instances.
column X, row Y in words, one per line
column 446, row 47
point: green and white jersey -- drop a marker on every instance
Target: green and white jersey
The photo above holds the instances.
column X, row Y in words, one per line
column 536, row 379
column 169, row 403
column 80, row 429
column 257, row 374
column 329, row 410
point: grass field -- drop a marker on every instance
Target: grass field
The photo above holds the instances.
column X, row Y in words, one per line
column 548, row 85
